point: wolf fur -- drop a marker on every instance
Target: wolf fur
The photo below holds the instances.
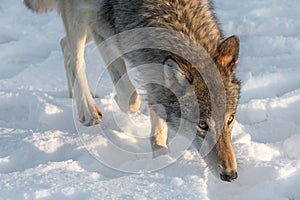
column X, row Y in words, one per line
column 41, row 6
column 97, row 20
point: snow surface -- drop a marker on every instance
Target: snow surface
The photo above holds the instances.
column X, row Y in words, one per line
column 44, row 156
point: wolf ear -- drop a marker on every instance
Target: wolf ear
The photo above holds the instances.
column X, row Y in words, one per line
column 173, row 73
column 228, row 54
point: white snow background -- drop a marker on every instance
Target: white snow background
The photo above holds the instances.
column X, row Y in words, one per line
column 43, row 157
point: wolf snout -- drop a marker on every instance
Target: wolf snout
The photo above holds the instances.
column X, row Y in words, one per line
column 229, row 177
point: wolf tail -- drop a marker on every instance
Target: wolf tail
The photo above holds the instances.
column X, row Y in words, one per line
column 41, row 6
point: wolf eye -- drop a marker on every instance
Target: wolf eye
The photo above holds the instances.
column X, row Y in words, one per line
column 203, row 126
column 230, row 120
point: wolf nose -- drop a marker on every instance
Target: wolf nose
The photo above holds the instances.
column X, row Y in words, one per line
column 231, row 176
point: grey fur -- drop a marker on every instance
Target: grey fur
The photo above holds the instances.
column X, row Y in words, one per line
column 192, row 19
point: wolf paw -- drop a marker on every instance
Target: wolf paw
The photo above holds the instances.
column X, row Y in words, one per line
column 158, row 150
column 91, row 116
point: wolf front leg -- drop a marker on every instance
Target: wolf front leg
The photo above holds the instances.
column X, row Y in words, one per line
column 70, row 71
column 73, row 49
column 127, row 96
column 159, row 134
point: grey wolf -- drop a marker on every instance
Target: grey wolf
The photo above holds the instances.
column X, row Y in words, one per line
column 97, row 20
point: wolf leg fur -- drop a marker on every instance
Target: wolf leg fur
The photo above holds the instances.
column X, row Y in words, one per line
column 73, row 49
column 70, row 71
column 159, row 134
column 127, row 98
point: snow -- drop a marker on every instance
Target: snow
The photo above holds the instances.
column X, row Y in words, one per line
column 46, row 154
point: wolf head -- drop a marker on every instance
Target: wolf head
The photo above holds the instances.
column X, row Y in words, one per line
column 213, row 135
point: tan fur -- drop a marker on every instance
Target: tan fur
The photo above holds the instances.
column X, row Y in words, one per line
column 97, row 20
column 78, row 35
